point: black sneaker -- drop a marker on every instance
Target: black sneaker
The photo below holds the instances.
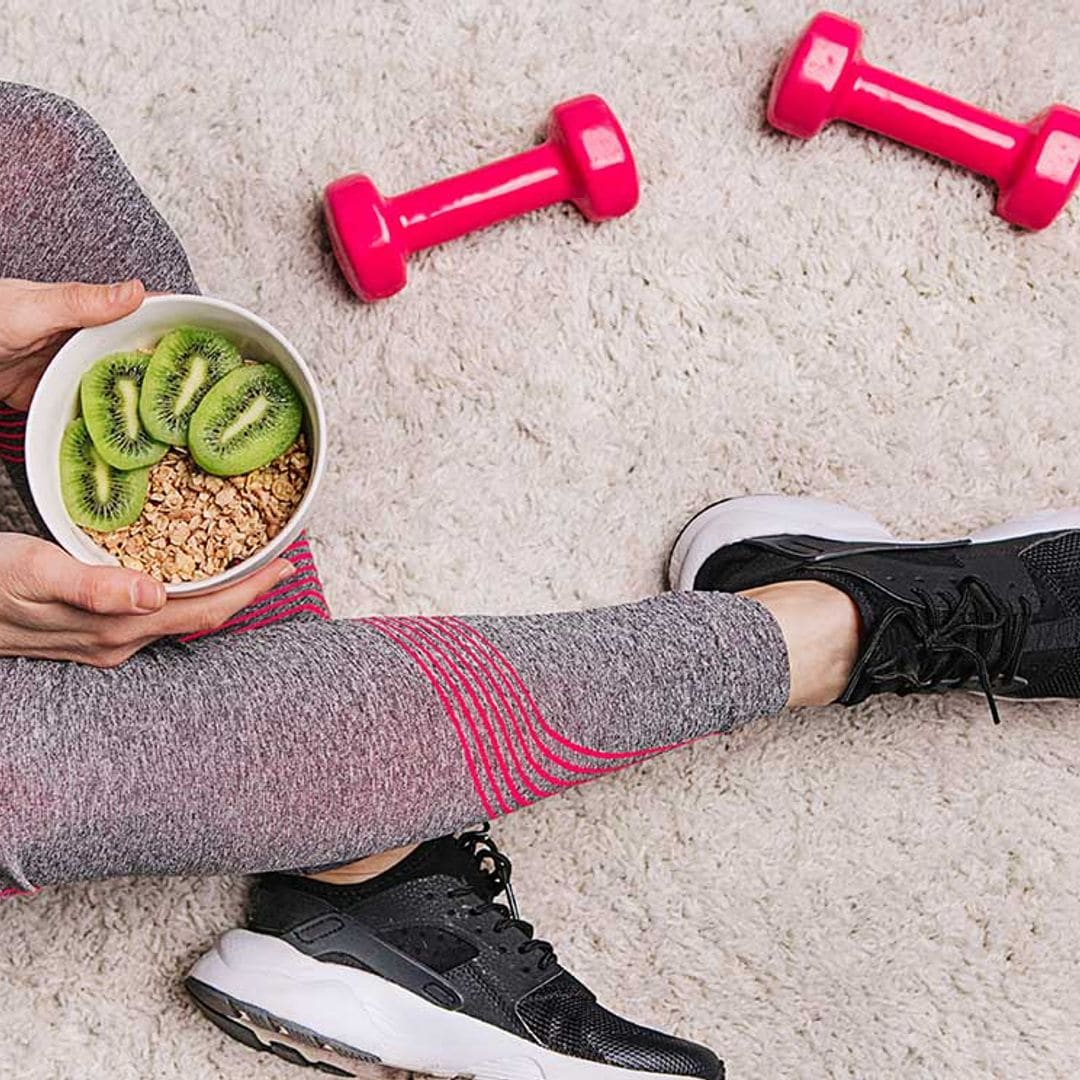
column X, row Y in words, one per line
column 420, row 969
column 998, row 611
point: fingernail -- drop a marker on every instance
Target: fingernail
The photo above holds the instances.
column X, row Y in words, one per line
column 286, row 571
column 123, row 293
column 147, row 595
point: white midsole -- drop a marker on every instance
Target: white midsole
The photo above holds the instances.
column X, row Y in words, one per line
column 371, row 1014
column 751, row 516
column 743, row 518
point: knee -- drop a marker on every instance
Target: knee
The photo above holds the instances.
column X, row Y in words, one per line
column 43, row 120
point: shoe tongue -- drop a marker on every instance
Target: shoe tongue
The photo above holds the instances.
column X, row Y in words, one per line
column 871, row 602
column 442, row 856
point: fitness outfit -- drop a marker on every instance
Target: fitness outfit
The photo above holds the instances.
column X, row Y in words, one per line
column 288, row 739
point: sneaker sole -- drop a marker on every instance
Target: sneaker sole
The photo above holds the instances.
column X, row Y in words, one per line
column 732, row 521
column 345, row 1022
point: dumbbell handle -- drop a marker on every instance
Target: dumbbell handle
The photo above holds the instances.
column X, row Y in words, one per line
column 929, row 120
column 460, row 204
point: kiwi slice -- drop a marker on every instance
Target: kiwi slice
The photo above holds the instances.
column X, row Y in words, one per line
column 110, row 404
column 245, row 421
column 96, row 495
column 185, row 364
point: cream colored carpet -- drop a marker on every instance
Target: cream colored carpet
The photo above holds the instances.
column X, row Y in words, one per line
column 885, row 892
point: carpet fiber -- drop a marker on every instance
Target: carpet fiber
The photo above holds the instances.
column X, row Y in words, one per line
column 872, row 893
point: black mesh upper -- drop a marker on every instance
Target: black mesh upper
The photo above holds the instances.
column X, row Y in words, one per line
column 1055, row 566
column 566, row 1018
column 433, row 946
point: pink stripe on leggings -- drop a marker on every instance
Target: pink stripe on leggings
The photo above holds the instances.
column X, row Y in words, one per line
column 312, row 609
column 463, row 709
column 446, row 704
column 498, row 666
column 11, row 892
column 465, row 677
column 503, row 711
column 610, row 755
column 305, row 600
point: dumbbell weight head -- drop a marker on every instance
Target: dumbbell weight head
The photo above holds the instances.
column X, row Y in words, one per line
column 597, row 151
column 811, row 76
column 365, row 237
column 1048, row 172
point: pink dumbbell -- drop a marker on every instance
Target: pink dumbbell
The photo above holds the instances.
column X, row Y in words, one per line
column 824, row 77
column 586, row 159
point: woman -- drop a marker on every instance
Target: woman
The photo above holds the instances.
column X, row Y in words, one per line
column 251, row 733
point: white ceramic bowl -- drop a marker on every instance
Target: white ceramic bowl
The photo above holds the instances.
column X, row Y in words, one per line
column 56, row 403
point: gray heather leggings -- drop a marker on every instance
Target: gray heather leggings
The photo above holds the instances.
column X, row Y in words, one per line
column 286, row 738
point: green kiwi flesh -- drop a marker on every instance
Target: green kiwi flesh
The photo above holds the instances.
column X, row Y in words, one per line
column 250, row 417
column 109, row 393
column 185, row 364
column 96, row 495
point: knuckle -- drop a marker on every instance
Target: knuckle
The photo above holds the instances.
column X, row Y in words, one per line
column 35, row 562
column 33, row 568
column 208, row 618
column 76, row 299
column 111, row 657
column 93, row 592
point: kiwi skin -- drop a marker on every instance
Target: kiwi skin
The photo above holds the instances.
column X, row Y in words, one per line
column 96, row 495
column 250, row 417
column 185, row 365
column 109, row 392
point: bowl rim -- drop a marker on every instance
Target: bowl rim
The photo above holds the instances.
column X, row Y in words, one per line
column 317, row 424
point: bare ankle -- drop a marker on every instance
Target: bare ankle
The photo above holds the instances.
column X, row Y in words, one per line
column 363, row 869
column 821, row 627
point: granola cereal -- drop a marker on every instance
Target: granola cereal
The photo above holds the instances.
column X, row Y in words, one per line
column 195, row 525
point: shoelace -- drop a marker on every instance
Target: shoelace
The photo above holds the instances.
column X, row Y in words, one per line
column 946, row 642
column 495, row 869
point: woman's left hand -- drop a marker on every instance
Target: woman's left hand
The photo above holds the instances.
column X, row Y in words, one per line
column 37, row 318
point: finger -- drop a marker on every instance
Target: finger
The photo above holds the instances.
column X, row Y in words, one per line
column 55, row 577
column 76, row 644
column 73, row 304
column 201, row 613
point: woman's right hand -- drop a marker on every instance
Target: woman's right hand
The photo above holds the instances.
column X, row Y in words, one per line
column 37, row 318
column 54, row 607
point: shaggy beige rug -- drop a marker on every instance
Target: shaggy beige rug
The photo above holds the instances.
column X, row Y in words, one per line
column 872, row 893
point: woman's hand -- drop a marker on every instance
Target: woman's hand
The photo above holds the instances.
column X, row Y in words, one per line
column 56, row 608
column 36, row 319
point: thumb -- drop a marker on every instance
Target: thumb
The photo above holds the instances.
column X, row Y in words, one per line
column 72, row 305
column 103, row 590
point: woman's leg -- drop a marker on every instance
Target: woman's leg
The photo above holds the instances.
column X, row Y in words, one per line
column 306, row 743
column 71, row 211
column 318, row 975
